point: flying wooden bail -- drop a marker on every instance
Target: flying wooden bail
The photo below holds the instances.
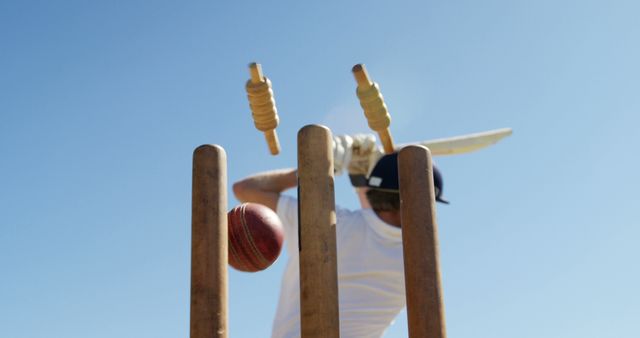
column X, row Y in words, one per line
column 263, row 106
column 375, row 109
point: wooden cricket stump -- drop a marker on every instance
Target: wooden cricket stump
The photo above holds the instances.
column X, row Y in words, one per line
column 209, row 259
column 317, row 234
column 425, row 304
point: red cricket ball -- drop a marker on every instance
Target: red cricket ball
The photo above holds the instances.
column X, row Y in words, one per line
column 255, row 237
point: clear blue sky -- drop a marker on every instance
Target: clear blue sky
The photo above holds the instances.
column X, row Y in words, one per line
column 103, row 102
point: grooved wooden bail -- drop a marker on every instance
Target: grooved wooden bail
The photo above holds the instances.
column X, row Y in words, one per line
column 263, row 106
column 375, row 109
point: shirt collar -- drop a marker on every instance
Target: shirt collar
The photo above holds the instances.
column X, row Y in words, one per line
column 381, row 228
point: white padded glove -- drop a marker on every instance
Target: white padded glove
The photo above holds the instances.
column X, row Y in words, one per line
column 341, row 153
column 364, row 154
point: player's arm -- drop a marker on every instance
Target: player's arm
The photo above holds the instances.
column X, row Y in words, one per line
column 362, row 197
column 265, row 188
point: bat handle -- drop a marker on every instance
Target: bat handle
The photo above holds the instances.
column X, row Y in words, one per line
column 272, row 141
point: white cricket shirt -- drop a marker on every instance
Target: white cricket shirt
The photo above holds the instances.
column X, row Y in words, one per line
column 370, row 273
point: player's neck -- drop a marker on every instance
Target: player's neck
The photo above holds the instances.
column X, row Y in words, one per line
column 390, row 217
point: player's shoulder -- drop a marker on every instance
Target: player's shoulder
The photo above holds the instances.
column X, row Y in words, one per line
column 350, row 218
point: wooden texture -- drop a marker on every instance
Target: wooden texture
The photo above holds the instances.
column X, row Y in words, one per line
column 375, row 109
column 209, row 243
column 255, row 69
column 386, row 140
column 361, row 75
column 272, row 141
column 425, row 305
column 257, row 78
column 317, row 234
